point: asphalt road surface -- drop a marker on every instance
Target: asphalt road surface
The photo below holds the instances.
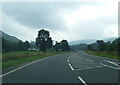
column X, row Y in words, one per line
column 77, row 67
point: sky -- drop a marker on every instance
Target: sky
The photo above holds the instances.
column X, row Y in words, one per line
column 64, row 20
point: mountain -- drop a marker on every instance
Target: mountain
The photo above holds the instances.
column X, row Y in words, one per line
column 79, row 47
column 109, row 39
column 86, row 41
column 89, row 41
column 9, row 37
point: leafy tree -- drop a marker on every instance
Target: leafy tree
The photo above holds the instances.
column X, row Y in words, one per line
column 101, row 44
column 57, row 46
column 90, row 47
column 43, row 41
column 20, row 46
column 49, row 43
column 26, row 45
column 64, row 45
column 5, row 47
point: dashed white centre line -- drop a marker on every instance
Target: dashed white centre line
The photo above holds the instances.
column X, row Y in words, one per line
column 68, row 60
column 71, row 67
column 82, row 80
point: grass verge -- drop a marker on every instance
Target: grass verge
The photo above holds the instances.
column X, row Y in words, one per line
column 113, row 55
column 19, row 57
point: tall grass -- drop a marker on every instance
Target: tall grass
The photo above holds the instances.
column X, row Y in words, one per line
column 113, row 54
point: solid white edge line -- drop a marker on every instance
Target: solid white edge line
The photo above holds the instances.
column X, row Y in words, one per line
column 111, row 62
column 23, row 66
column 82, row 80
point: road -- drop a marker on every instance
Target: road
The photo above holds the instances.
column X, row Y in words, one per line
column 77, row 67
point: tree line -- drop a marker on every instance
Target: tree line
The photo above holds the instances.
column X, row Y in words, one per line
column 8, row 46
column 100, row 45
column 44, row 42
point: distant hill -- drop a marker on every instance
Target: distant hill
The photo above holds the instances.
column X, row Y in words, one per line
column 89, row 41
column 9, row 37
column 32, row 44
column 80, row 47
column 86, row 41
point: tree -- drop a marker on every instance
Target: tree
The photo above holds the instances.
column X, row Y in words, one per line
column 26, row 45
column 5, row 47
column 57, row 46
column 64, row 45
column 90, row 47
column 20, row 46
column 49, row 43
column 43, row 41
column 101, row 44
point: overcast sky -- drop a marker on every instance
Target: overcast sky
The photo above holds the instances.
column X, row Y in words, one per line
column 65, row 20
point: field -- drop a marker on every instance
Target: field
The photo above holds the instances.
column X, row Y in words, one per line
column 18, row 57
column 113, row 55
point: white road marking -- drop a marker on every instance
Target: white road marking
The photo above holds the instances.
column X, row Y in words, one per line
column 68, row 60
column 117, row 68
column 24, row 66
column 88, row 68
column 89, row 60
column 111, row 62
column 71, row 67
column 113, row 67
column 103, row 64
column 82, row 80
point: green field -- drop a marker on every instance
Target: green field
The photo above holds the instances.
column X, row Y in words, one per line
column 113, row 55
column 16, row 58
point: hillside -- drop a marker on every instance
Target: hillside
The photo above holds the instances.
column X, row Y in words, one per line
column 9, row 37
column 89, row 41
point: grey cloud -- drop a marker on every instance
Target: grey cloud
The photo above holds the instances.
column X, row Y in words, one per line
column 40, row 14
column 37, row 15
column 48, row 15
column 93, row 29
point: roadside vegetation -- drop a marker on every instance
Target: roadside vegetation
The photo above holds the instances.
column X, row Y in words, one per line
column 19, row 57
column 105, row 49
column 14, row 53
column 113, row 55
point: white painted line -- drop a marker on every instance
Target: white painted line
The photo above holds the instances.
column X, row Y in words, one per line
column 103, row 64
column 68, row 60
column 117, row 68
column 18, row 68
column 113, row 67
column 89, row 60
column 88, row 68
column 82, row 80
column 71, row 67
column 24, row 66
column 111, row 62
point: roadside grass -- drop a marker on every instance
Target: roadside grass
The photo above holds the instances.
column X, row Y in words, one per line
column 113, row 55
column 19, row 57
